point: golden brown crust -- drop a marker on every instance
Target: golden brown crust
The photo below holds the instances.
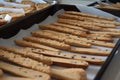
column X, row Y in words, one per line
column 34, row 45
column 70, row 74
column 69, row 62
column 80, row 24
column 61, row 29
column 40, row 6
column 23, row 61
column 90, row 51
column 26, row 53
column 89, row 15
column 23, row 72
column 69, row 41
column 48, row 42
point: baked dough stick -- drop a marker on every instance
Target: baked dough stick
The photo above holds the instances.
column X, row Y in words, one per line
column 69, row 62
column 23, row 61
column 27, row 62
column 24, row 53
column 67, row 16
column 1, row 72
column 100, row 38
column 89, row 59
column 85, row 21
column 80, row 24
column 113, row 34
column 111, row 30
column 61, row 38
column 70, row 26
column 89, row 15
column 64, row 29
column 48, row 42
column 94, row 42
column 34, row 45
column 23, row 72
column 90, row 51
column 71, row 74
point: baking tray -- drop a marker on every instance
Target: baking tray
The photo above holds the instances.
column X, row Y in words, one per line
column 112, row 11
column 11, row 29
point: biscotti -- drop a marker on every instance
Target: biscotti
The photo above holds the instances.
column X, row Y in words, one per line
column 60, row 38
column 91, row 60
column 69, row 62
column 84, row 21
column 91, row 51
column 23, row 72
column 1, row 72
column 80, row 24
column 70, row 26
column 68, row 16
column 70, row 74
column 23, row 61
column 89, row 15
column 26, row 53
column 48, row 42
column 34, row 45
column 64, row 37
column 61, row 29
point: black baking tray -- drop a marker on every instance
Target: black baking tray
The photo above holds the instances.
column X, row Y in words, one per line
column 11, row 29
column 112, row 11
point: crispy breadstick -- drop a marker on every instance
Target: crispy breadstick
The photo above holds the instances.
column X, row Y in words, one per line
column 25, row 53
column 25, row 62
column 48, row 42
column 114, row 34
column 80, row 24
column 69, row 36
column 89, row 15
column 111, row 30
column 91, row 60
column 61, row 38
column 90, row 51
column 70, row 26
column 85, row 21
column 99, row 38
column 69, row 74
column 34, row 45
column 61, row 29
column 101, row 35
column 23, row 72
column 69, row 62
column 1, row 72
